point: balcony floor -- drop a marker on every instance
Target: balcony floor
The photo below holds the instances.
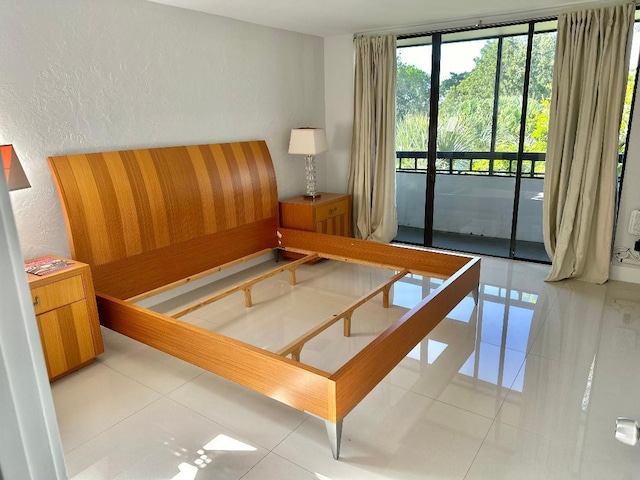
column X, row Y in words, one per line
column 497, row 247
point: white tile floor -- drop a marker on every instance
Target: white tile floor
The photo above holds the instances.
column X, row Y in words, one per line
column 525, row 386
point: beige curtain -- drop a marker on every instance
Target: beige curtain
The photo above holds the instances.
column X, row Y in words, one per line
column 590, row 76
column 372, row 176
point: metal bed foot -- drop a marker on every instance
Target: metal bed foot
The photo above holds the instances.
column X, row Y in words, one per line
column 334, row 430
column 474, row 292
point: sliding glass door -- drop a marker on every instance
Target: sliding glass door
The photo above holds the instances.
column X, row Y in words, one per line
column 529, row 243
column 474, row 172
column 471, row 137
column 412, row 139
column 473, row 198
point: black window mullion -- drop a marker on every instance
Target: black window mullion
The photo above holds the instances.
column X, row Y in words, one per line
column 523, row 132
column 433, row 137
column 496, row 102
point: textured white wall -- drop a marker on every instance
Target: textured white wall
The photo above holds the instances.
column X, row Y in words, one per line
column 338, row 64
column 93, row 75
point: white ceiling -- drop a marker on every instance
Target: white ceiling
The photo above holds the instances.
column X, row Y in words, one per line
column 327, row 18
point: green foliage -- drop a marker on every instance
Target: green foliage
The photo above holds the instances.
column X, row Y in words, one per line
column 626, row 112
column 453, row 81
column 467, row 102
column 412, row 133
column 413, row 90
column 466, row 126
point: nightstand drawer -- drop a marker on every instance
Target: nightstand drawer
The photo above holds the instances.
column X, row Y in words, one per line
column 57, row 294
column 66, row 338
column 331, row 210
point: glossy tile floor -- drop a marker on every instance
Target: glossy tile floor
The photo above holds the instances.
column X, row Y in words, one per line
column 527, row 385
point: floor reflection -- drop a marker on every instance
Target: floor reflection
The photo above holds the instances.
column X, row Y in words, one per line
column 501, row 326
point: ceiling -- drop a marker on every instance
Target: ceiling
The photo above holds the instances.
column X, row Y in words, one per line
column 327, row 18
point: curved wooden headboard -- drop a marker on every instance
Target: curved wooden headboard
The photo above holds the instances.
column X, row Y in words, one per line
column 145, row 218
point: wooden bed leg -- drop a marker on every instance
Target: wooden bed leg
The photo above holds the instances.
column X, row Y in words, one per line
column 292, row 273
column 295, row 355
column 385, row 296
column 347, row 324
column 474, row 292
column 334, row 430
column 247, row 297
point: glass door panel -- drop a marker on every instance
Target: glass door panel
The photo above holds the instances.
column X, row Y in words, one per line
column 412, row 137
column 529, row 244
column 473, row 205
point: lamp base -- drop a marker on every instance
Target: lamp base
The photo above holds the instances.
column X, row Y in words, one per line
column 312, row 197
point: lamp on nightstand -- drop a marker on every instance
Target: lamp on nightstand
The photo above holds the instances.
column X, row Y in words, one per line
column 13, row 172
column 308, row 142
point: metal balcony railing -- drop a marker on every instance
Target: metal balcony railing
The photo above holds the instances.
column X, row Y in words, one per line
column 496, row 164
column 499, row 164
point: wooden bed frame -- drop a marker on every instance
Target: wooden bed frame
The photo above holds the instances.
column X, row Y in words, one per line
column 150, row 219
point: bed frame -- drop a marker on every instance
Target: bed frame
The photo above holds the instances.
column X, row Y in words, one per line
column 148, row 220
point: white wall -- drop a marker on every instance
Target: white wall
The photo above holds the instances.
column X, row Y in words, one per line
column 94, row 75
column 338, row 67
column 339, row 85
column 477, row 205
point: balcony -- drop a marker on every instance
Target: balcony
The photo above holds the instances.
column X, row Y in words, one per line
column 474, row 199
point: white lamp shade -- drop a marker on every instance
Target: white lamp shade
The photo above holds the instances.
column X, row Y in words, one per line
column 307, row 141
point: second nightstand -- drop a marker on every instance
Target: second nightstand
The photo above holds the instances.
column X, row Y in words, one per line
column 65, row 306
column 331, row 213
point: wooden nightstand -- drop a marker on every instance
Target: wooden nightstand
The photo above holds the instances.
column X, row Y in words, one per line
column 331, row 213
column 65, row 307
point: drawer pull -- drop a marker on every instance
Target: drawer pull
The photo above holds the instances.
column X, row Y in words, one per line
column 333, row 210
column 36, row 302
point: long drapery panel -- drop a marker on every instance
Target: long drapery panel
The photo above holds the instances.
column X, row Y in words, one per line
column 372, row 171
column 590, row 76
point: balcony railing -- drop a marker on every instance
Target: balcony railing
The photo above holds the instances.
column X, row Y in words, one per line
column 499, row 164
column 495, row 164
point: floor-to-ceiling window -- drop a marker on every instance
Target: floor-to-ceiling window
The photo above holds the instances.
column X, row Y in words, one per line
column 471, row 138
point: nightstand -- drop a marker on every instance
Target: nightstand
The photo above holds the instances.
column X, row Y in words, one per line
column 331, row 213
column 65, row 306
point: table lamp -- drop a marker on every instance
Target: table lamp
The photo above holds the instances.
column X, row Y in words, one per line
column 308, row 142
column 13, row 172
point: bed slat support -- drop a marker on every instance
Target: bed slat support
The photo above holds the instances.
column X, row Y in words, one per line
column 295, row 348
column 247, row 286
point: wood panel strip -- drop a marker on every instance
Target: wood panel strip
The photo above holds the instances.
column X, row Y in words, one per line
column 268, row 193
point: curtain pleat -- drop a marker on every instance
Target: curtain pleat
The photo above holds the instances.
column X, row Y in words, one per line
column 590, row 77
column 372, row 170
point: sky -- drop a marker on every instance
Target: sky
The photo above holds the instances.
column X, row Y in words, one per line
column 458, row 57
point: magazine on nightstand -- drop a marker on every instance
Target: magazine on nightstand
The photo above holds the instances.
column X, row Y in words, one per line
column 47, row 265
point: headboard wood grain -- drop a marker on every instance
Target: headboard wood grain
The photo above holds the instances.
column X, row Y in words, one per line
column 144, row 218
